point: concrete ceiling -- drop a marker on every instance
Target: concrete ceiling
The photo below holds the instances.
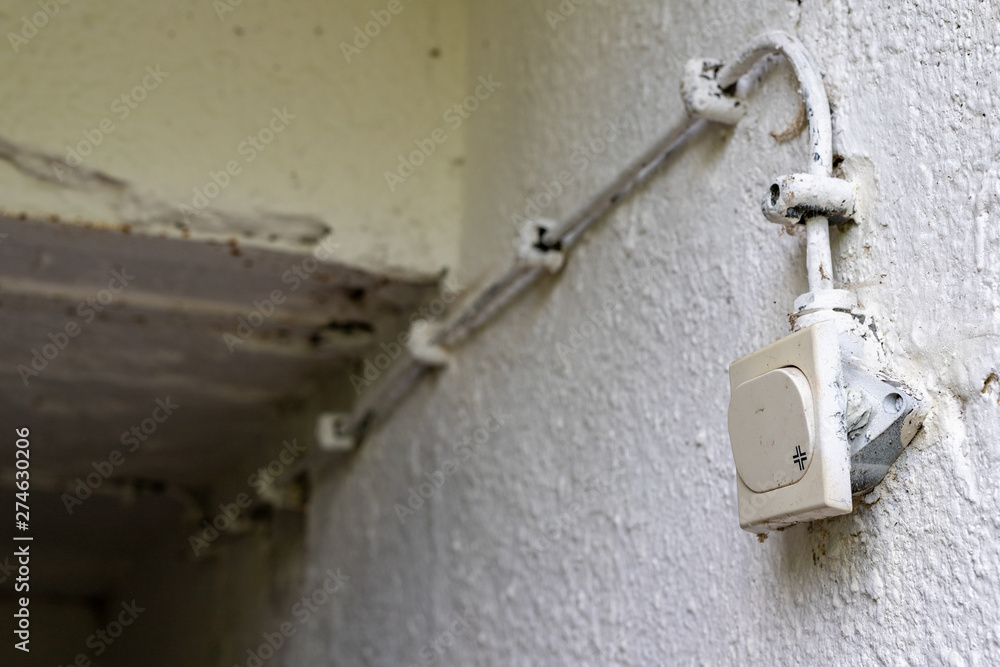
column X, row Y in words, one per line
column 162, row 336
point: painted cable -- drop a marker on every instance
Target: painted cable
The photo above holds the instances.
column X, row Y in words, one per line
column 376, row 403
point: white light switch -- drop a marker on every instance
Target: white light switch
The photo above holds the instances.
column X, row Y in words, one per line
column 786, row 426
column 771, row 429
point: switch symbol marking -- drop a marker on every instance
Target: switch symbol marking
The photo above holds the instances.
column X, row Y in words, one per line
column 799, row 457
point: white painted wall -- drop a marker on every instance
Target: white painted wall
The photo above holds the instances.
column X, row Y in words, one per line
column 617, row 450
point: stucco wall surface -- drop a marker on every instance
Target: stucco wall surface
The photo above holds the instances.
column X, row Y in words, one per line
column 597, row 524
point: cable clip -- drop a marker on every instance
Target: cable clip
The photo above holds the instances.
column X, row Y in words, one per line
column 422, row 348
column 330, row 433
column 703, row 98
column 793, row 198
column 534, row 251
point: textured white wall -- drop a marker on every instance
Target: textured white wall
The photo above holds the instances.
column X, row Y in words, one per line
column 617, row 450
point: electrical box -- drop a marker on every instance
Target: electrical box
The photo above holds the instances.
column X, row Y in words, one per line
column 786, row 427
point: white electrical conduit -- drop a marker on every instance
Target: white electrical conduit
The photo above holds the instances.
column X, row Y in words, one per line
column 819, row 261
column 408, row 370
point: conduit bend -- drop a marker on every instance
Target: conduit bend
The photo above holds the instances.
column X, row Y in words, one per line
column 813, row 92
column 819, row 261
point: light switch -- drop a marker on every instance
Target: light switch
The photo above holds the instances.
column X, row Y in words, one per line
column 786, row 426
column 771, row 429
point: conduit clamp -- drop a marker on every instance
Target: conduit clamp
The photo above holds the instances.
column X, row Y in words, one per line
column 534, row 251
column 330, row 433
column 704, row 97
column 422, row 347
column 793, row 198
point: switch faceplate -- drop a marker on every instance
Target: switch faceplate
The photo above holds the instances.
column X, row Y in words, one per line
column 786, row 426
